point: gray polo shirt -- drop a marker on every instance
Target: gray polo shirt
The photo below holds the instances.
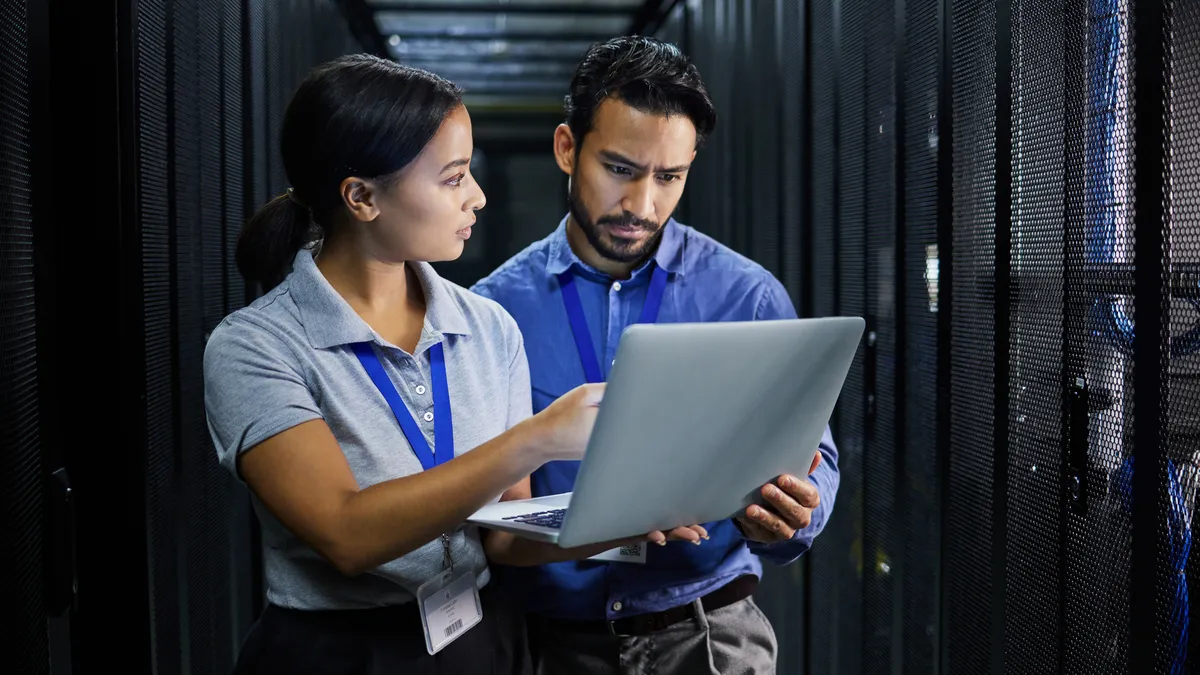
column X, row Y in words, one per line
column 286, row 359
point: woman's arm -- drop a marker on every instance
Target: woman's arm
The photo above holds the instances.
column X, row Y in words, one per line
column 303, row 478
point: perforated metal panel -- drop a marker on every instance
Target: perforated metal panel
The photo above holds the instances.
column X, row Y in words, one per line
column 836, row 561
column 920, row 493
column 761, row 112
column 1031, row 304
column 1099, row 282
column 1036, row 364
column 1183, row 368
column 784, row 593
column 881, row 557
column 200, row 263
column 193, row 179
column 234, row 153
column 824, row 156
column 967, row 564
column 711, row 200
column 261, row 146
column 21, row 480
column 793, row 71
column 852, row 252
column 154, row 211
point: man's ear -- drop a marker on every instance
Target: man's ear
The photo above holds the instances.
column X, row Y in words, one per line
column 564, row 148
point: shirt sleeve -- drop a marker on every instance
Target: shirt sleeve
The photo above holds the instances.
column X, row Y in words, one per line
column 253, row 389
column 520, row 395
column 774, row 304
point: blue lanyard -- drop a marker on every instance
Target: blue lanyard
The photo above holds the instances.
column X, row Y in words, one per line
column 443, row 426
column 583, row 337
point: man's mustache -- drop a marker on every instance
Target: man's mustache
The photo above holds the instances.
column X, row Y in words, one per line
column 628, row 221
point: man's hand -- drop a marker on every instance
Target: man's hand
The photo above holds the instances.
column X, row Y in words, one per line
column 791, row 501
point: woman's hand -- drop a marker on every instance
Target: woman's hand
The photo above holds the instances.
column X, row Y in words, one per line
column 561, row 431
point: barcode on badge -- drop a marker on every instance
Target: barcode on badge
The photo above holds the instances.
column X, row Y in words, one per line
column 454, row 628
column 635, row 550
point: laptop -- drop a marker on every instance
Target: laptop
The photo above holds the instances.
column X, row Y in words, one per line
column 696, row 418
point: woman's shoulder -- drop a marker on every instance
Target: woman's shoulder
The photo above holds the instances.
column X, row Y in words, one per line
column 269, row 324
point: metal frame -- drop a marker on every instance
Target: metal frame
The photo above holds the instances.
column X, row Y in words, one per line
column 506, row 36
column 567, row 9
column 1149, row 85
column 98, row 269
column 900, row 295
column 645, row 19
column 945, row 236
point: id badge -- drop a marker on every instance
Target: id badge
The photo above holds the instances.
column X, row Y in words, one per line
column 449, row 607
column 635, row 553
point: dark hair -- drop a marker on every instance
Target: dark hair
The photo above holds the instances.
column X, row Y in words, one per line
column 357, row 115
column 644, row 73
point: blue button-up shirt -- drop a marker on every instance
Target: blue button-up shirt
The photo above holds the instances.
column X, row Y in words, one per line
column 707, row 282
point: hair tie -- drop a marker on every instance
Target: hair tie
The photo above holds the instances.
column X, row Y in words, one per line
column 291, row 194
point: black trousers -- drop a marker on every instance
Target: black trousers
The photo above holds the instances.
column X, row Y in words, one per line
column 385, row 640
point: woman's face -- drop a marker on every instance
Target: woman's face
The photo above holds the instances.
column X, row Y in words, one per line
column 427, row 212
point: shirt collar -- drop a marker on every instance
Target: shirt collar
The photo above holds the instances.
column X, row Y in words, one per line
column 669, row 255
column 329, row 320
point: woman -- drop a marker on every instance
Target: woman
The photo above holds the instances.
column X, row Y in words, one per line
column 371, row 406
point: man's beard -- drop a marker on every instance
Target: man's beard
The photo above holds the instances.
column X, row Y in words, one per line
column 616, row 249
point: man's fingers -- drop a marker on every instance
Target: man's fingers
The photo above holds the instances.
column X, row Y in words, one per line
column 685, row 534
column 802, row 491
column 753, row 530
column 657, row 537
column 815, row 464
column 786, row 508
column 770, row 522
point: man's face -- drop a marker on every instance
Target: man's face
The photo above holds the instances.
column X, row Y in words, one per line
column 627, row 177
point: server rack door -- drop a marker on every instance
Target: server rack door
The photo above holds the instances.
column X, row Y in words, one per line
column 22, row 465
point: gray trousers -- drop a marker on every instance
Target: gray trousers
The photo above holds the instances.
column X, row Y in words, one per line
column 733, row 640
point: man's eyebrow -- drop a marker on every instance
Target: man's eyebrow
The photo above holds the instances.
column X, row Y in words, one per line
column 622, row 159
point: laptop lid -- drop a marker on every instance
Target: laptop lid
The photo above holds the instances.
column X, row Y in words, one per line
column 697, row 417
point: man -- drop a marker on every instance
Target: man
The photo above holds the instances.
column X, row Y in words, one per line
column 636, row 113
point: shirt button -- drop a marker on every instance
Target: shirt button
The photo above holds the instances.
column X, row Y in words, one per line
column 420, row 390
column 428, row 417
column 617, row 606
column 616, row 286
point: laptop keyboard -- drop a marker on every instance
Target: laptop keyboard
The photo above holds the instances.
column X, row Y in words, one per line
column 551, row 519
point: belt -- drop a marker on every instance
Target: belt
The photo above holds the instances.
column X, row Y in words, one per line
column 644, row 624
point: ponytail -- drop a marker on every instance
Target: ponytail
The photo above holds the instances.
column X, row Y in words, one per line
column 271, row 239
